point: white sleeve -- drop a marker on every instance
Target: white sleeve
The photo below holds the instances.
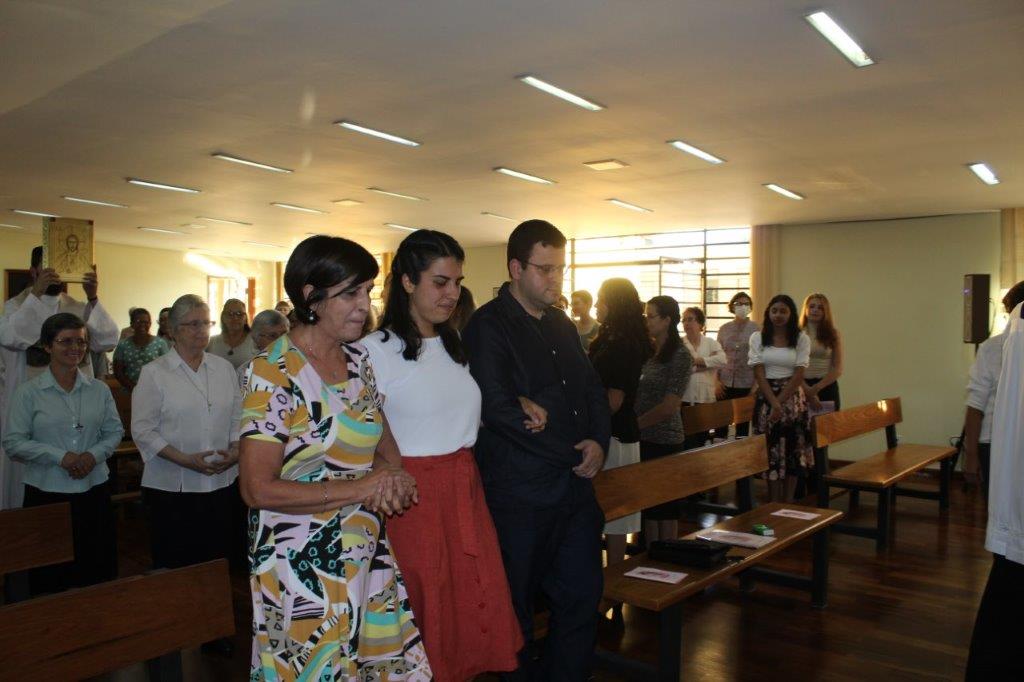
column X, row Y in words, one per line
column 20, row 329
column 716, row 358
column 147, row 401
column 984, row 377
column 379, row 354
column 803, row 350
column 754, row 352
column 103, row 331
column 236, row 404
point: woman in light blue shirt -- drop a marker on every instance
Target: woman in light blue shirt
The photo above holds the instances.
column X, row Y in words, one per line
column 63, row 426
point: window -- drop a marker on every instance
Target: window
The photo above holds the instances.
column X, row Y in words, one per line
column 702, row 268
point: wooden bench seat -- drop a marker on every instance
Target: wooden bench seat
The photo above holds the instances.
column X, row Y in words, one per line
column 634, row 487
column 881, row 472
column 35, row 536
column 719, row 416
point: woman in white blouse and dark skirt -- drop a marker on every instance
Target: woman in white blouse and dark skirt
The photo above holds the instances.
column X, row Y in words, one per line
column 708, row 357
column 779, row 354
column 185, row 414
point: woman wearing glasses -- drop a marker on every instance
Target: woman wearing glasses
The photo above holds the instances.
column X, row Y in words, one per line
column 63, row 426
column 234, row 343
column 185, row 412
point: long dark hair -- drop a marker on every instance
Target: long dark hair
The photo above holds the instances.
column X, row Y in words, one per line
column 414, row 256
column 624, row 322
column 792, row 327
column 668, row 307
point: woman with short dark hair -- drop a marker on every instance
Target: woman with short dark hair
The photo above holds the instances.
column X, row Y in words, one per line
column 63, row 426
column 708, row 357
column 328, row 599
column 736, row 377
column 137, row 350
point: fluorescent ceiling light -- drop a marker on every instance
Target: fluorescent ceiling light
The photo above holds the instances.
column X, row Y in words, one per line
column 402, row 227
column 93, row 201
column 293, row 207
column 222, row 220
column 161, row 230
column 498, row 216
column 632, row 207
column 160, row 185
column 839, row 38
column 196, row 226
column 560, row 93
column 377, row 133
column 272, row 246
column 984, row 173
column 247, row 162
column 346, row 202
column 523, row 176
column 783, row 191
column 378, row 190
column 607, row 164
column 699, row 153
column 13, row 227
column 35, row 213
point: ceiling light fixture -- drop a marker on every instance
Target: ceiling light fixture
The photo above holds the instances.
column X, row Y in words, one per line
column 247, row 162
column 13, row 227
column 35, row 213
column 377, row 133
column 402, row 227
column 160, row 185
column 346, row 202
column 783, row 191
column 293, row 207
column 984, row 173
column 271, row 246
column 560, row 93
column 699, row 153
column 223, row 220
column 94, row 202
column 607, row 164
column 196, row 226
column 161, row 230
column 840, row 39
column 523, row 176
column 498, row 216
column 632, row 207
column 410, row 197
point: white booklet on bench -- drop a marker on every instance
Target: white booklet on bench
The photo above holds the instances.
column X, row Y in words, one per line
column 656, row 574
column 731, row 537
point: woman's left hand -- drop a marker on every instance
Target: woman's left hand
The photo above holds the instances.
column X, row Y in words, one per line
column 229, row 458
column 813, row 402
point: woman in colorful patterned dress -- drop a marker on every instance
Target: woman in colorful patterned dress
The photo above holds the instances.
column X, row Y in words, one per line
column 138, row 349
column 329, row 603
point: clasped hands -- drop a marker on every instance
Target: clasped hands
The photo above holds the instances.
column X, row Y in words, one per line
column 78, row 464
column 392, row 490
column 202, row 462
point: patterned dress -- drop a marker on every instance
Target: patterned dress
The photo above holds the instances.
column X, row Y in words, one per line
column 329, row 603
column 133, row 357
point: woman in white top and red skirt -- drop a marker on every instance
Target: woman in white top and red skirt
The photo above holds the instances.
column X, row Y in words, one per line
column 446, row 546
column 779, row 354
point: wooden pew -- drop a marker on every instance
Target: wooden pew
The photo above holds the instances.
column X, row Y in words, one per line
column 881, row 472
column 126, row 450
column 94, row 630
column 35, row 537
column 634, row 487
column 717, row 416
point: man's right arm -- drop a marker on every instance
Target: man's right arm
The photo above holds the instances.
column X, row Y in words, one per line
column 20, row 328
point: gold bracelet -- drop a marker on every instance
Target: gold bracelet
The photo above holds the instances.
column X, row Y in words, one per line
column 323, row 506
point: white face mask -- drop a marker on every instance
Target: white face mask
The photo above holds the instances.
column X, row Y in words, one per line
column 742, row 311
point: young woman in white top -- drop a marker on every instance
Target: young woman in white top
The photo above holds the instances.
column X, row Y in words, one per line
column 446, row 545
column 779, row 354
column 708, row 357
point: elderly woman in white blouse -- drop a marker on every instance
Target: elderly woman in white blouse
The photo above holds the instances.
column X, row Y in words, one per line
column 708, row 357
column 185, row 414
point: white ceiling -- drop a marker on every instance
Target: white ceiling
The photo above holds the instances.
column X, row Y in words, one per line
column 94, row 92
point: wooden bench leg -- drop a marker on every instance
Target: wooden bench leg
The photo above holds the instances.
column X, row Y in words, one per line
column 670, row 643
column 854, row 498
column 884, row 517
column 945, row 479
column 166, row 668
column 819, row 576
column 744, row 494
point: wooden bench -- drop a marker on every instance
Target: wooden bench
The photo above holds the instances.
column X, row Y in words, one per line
column 879, row 473
column 94, row 630
column 714, row 416
column 629, row 489
column 35, row 537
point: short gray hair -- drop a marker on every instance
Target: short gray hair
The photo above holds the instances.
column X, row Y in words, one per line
column 183, row 306
column 268, row 319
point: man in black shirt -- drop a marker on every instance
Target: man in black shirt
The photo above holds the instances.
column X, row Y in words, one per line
column 538, row 483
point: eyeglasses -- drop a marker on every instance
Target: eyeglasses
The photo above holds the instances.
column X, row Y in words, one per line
column 69, row 343
column 196, row 325
column 235, row 313
column 549, row 270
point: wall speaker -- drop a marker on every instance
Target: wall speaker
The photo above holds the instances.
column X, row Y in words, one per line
column 976, row 290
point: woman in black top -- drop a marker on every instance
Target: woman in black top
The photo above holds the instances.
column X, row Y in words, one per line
column 618, row 353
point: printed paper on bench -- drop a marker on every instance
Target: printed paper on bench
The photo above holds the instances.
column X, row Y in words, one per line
column 731, row 537
column 827, row 406
column 656, row 574
column 796, row 514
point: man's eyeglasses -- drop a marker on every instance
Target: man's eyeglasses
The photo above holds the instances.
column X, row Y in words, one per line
column 549, row 270
column 196, row 325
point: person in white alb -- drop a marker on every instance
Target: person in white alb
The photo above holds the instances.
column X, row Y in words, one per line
column 22, row 356
column 994, row 653
column 185, row 414
column 708, row 358
column 981, row 400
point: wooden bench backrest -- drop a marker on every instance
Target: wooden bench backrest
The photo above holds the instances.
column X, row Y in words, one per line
column 123, row 402
column 706, row 416
column 94, row 630
column 629, row 489
column 855, row 421
column 35, row 536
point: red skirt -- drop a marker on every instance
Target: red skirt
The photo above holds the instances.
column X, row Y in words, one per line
column 447, row 550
